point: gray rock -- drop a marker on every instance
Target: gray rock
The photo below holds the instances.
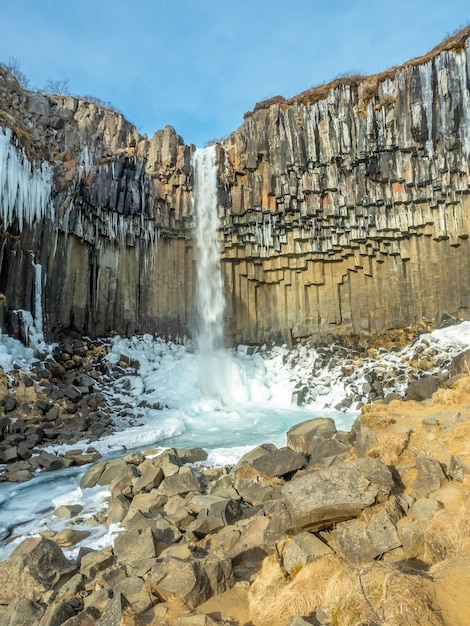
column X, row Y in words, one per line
column 181, row 483
column 68, row 511
column 301, row 549
column 22, row 612
column 57, row 614
column 423, row 388
column 191, row 455
column 430, row 476
column 135, row 545
column 87, row 617
column 423, row 510
column 460, row 364
column 279, row 462
column 118, row 612
column 151, row 476
column 35, row 566
column 265, row 449
column 185, row 580
column 318, row 499
column 411, row 537
column 299, row 435
column 95, row 561
column 253, row 486
column 459, row 466
column 323, row 449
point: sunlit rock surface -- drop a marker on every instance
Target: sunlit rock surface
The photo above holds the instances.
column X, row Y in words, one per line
column 343, row 210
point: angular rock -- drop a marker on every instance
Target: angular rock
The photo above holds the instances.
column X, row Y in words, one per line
column 185, row 580
column 68, row 511
column 181, row 483
column 135, row 545
column 119, row 612
column 279, row 462
column 299, row 435
column 95, row 561
column 149, row 479
column 87, row 617
column 22, row 612
column 423, row 388
column 253, row 486
column 57, row 614
column 338, row 493
column 430, row 476
column 302, row 549
column 423, row 510
column 459, row 466
column 323, row 449
column 34, row 567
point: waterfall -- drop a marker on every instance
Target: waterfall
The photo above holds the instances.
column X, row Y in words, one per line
column 209, row 286
column 213, row 363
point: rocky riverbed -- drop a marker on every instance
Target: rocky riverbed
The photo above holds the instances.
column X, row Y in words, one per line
column 366, row 526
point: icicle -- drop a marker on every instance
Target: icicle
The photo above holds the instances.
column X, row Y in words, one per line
column 25, row 189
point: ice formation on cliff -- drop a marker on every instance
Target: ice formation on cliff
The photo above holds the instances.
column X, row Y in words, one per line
column 25, row 188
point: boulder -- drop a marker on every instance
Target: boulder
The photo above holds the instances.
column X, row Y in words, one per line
column 459, row 466
column 181, row 483
column 423, row 388
column 135, row 545
column 185, row 580
column 323, row 450
column 279, row 462
column 460, row 364
column 105, row 472
column 424, row 509
column 68, row 511
column 119, row 612
column 95, row 561
column 58, row 613
column 87, row 617
column 22, row 612
column 301, row 549
column 134, row 590
column 253, row 486
column 319, row 499
column 430, row 476
column 34, row 567
column 151, row 476
column 299, row 435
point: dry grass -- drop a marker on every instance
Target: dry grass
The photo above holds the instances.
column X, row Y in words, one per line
column 448, row 534
column 458, row 394
column 274, row 597
column 390, row 446
column 367, row 86
column 380, row 594
column 376, row 416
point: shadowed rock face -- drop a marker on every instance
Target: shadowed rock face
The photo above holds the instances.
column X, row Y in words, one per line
column 343, row 210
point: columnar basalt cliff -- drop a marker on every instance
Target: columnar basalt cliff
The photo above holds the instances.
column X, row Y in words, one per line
column 343, row 210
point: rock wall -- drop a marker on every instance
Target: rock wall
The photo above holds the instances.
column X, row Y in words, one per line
column 347, row 207
column 343, row 210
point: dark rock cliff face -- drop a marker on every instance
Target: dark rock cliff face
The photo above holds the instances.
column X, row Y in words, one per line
column 343, row 210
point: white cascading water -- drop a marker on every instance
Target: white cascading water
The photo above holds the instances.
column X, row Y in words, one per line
column 210, row 302
column 214, row 365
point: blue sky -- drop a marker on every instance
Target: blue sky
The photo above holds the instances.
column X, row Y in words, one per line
column 199, row 65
